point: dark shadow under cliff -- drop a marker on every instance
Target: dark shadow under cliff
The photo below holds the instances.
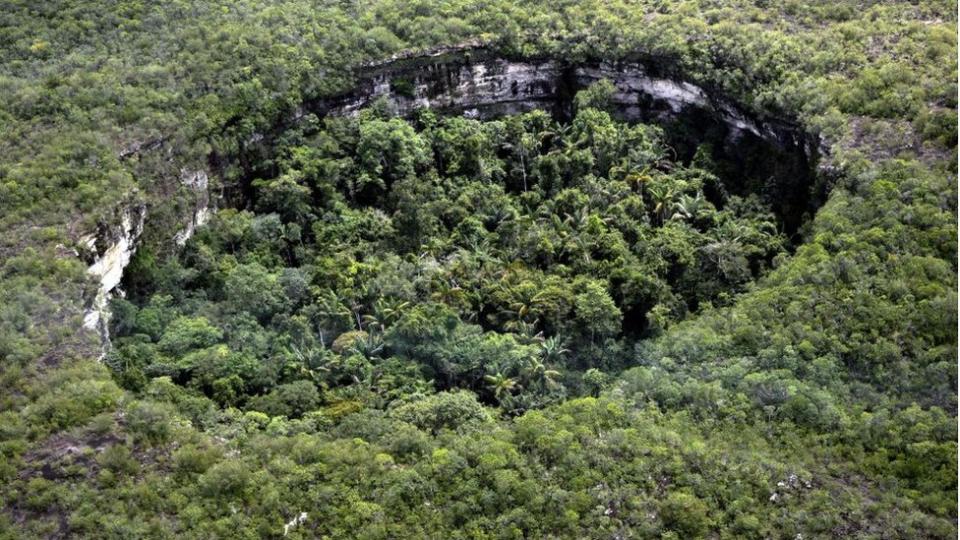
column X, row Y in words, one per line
column 773, row 158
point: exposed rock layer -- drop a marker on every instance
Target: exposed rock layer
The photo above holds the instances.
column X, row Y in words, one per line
column 771, row 157
column 114, row 247
column 111, row 248
column 198, row 182
column 477, row 83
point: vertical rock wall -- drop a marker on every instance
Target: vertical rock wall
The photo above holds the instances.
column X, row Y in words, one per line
column 476, row 83
column 115, row 247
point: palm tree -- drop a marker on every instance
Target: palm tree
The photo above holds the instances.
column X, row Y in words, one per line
column 577, row 246
column 730, row 230
column 552, row 349
column 559, row 137
column 523, row 301
column 501, row 385
column 385, row 313
column 579, row 219
column 688, row 207
column 447, row 292
column 334, row 307
column 526, row 331
column 539, row 374
column 369, row 346
column 482, row 260
column 500, row 216
column 637, row 179
column 661, row 195
column 312, row 362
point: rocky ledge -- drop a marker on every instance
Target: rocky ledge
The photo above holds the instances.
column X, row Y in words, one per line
column 768, row 156
column 474, row 81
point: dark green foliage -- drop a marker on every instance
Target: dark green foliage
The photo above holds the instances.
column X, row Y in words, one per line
column 150, row 422
column 685, row 514
column 495, row 284
column 446, row 410
column 185, row 334
column 293, row 399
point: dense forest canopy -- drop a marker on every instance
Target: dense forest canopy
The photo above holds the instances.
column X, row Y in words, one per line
column 436, row 326
column 497, row 256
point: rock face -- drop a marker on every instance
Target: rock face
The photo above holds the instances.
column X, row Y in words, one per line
column 477, row 83
column 198, row 182
column 488, row 88
column 113, row 246
column 118, row 246
column 771, row 157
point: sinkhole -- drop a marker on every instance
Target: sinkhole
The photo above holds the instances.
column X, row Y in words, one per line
column 466, row 221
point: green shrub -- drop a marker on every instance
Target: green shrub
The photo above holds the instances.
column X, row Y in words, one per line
column 118, row 459
column 150, row 421
column 444, row 410
column 685, row 514
column 73, row 404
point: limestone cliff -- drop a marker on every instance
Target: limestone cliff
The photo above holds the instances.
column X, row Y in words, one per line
column 110, row 249
column 113, row 246
column 476, row 82
column 772, row 157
